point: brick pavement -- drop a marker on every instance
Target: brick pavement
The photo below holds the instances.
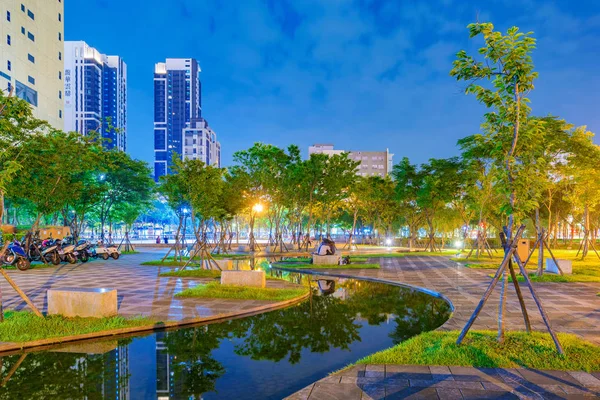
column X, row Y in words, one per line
column 140, row 290
column 572, row 308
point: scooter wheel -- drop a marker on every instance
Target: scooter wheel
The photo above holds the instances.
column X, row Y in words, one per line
column 55, row 259
column 71, row 259
column 105, row 256
column 84, row 257
column 23, row 264
column 115, row 256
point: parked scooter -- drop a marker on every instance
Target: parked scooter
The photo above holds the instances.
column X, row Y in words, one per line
column 106, row 251
column 15, row 255
column 50, row 251
column 67, row 250
column 84, row 250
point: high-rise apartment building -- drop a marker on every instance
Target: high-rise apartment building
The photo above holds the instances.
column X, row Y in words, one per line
column 31, row 55
column 372, row 163
column 179, row 129
column 95, row 94
column 200, row 143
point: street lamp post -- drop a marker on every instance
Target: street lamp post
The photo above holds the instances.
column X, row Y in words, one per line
column 256, row 209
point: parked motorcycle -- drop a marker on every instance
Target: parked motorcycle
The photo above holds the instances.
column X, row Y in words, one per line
column 67, row 250
column 106, row 251
column 15, row 255
column 50, row 251
column 84, row 250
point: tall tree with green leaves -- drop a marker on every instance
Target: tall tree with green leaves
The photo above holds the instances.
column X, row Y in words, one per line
column 506, row 65
column 17, row 125
column 409, row 182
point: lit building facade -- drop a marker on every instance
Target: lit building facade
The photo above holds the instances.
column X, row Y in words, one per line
column 31, row 55
column 179, row 129
column 372, row 163
column 200, row 143
column 96, row 94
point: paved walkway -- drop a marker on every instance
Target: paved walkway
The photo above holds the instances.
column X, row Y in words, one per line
column 388, row 382
column 140, row 290
column 572, row 308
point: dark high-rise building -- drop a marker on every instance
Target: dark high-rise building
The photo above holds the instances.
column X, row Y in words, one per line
column 178, row 116
column 96, row 94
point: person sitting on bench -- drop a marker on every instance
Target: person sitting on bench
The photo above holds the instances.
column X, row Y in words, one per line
column 326, row 248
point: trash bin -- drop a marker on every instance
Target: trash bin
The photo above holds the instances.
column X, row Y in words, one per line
column 523, row 249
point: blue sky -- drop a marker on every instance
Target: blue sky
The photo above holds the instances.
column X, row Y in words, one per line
column 362, row 74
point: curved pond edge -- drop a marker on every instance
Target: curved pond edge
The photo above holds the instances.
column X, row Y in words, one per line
column 432, row 293
column 8, row 348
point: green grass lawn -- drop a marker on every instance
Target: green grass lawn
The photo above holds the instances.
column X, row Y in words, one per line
column 23, row 326
column 217, row 291
column 556, row 278
column 295, row 260
column 480, row 349
column 365, row 257
column 194, row 273
column 203, row 273
column 587, row 270
column 171, row 262
column 328, row 266
column 124, row 253
column 33, row 266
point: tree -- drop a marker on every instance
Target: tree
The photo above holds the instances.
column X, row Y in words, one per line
column 50, row 175
column 126, row 181
column 409, row 182
column 17, row 125
column 507, row 64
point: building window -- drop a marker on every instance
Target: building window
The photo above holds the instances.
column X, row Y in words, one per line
column 59, row 36
column 8, row 40
column 30, row 36
column 9, row 87
column 23, row 7
column 59, row 113
column 60, row 94
column 8, row 16
column 59, row 17
column 59, row 75
column 23, row 30
column 30, row 14
column 31, row 80
column 8, row 65
column 31, row 58
column 60, row 55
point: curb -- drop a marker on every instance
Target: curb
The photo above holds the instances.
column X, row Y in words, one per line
column 16, row 347
column 430, row 292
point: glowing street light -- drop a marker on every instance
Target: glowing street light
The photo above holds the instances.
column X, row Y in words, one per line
column 257, row 208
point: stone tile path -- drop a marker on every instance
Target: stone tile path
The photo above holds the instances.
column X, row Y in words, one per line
column 139, row 288
column 572, row 308
column 429, row 382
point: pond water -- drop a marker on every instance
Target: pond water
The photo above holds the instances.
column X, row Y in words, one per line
column 267, row 356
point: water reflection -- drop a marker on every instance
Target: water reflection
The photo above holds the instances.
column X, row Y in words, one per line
column 270, row 355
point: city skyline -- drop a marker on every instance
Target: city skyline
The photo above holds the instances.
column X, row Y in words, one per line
column 307, row 73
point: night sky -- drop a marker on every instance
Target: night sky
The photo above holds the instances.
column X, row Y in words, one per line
column 364, row 75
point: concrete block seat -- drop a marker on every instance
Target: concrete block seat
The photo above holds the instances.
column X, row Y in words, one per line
column 565, row 265
column 82, row 302
column 331, row 259
column 244, row 278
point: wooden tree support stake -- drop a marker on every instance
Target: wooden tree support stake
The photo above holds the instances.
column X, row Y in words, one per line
column 21, row 293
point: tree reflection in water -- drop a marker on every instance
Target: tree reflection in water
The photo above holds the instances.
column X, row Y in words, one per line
column 320, row 324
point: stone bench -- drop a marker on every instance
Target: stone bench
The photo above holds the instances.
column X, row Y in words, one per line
column 565, row 265
column 244, row 278
column 82, row 302
column 329, row 260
